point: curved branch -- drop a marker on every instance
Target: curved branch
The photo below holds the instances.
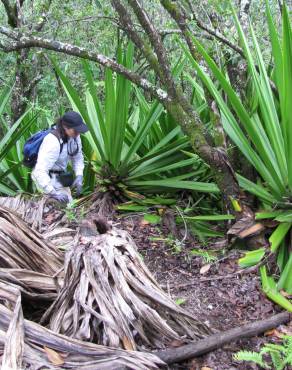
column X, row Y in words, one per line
column 157, row 44
column 128, row 26
column 25, row 41
column 180, row 20
column 214, row 33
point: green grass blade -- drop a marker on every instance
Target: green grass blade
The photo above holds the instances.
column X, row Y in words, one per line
column 270, row 289
column 258, row 190
column 278, row 235
column 210, row 218
column 285, row 281
column 276, row 49
column 124, row 88
column 170, row 183
column 161, row 169
column 4, row 97
column 142, row 132
column 13, row 135
column 98, row 129
column 252, row 258
column 287, row 91
column 266, row 168
column 265, row 96
column 6, row 190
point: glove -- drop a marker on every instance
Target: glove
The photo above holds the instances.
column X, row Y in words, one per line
column 60, row 197
column 78, row 184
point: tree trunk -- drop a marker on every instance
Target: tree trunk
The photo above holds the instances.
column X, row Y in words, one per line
column 19, row 98
column 216, row 158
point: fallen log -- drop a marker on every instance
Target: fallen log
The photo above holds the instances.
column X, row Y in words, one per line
column 37, row 347
column 217, row 340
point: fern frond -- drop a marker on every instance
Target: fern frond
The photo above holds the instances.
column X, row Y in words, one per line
column 275, row 347
column 252, row 357
column 277, row 360
column 287, row 341
column 288, row 360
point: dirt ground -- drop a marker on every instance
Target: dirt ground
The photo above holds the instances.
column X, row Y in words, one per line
column 221, row 301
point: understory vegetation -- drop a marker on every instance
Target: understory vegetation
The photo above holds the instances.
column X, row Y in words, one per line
column 190, row 130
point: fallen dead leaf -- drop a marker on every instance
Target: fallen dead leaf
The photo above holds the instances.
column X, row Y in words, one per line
column 273, row 333
column 50, row 218
column 144, row 223
column 252, row 230
column 206, row 368
column 285, row 294
column 161, row 211
column 176, row 343
column 205, row 269
column 55, row 357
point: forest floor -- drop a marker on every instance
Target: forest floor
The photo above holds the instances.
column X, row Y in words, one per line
column 218, row 299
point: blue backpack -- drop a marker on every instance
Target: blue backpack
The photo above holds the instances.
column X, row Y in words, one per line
column 32, row 146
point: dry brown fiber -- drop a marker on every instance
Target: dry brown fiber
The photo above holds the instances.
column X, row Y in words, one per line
column 106, row 294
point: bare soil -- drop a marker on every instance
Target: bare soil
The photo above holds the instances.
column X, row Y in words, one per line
column 220, row 300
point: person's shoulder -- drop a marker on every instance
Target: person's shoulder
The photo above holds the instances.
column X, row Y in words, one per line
column 51, row 140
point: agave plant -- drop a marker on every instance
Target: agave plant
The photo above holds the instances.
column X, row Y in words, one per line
column 14, row 177
column 261, row 129
column 133, row 145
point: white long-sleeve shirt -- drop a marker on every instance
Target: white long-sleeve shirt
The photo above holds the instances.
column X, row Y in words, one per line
column 50, row 158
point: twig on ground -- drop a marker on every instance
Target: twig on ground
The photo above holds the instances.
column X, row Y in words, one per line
column 217, row 340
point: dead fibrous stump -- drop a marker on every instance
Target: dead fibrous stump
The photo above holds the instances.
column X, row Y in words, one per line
column 21, row 247
column 110, row 297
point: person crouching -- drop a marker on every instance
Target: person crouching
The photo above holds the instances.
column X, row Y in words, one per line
column 61, row 145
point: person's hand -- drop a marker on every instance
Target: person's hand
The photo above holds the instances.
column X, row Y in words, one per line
column 60, row 197
column 78, row 184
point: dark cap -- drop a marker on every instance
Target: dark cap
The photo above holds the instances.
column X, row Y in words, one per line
column 74, row 120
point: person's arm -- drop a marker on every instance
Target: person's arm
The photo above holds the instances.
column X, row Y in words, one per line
column 48, row 155
column 78, row 159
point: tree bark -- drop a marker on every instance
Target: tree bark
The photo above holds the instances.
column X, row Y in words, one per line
column 19, row 98
column 217, row 340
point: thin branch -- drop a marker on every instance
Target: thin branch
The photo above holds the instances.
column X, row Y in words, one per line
column 167, row 32
column 25, row 41
column 174, row 91
column 89, row 19
column 127, row 24
column 10, row 11
column 44, row 17
column 180, row 20
column 18, row 13
column 219, row 37
column 157, row 44
column 280, row 6
column 216, row 34
column 32, row 84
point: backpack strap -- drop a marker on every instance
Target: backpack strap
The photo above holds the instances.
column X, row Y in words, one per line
column 57, row 134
